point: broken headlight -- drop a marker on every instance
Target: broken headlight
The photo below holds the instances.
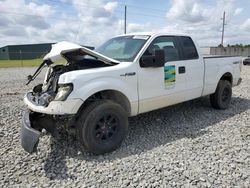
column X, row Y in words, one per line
column 63, row 92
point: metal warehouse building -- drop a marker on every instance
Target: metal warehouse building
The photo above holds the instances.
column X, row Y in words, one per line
column 25, row 51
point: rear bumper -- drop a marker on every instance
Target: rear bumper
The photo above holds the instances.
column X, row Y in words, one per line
column 29, row 135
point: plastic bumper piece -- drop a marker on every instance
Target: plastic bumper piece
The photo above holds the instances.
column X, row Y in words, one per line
column 29, row 135
column 239, row 81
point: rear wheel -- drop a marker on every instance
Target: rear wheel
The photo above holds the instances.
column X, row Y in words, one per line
column 102, row 126
column 222, row 97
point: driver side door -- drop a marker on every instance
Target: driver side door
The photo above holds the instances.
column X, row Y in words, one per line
column 162, row 86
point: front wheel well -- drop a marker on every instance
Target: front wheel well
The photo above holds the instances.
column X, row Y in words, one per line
column 112, row 95
column 227, row 76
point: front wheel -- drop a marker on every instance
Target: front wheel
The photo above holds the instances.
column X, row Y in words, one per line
column 102, row 126
column 222, row 97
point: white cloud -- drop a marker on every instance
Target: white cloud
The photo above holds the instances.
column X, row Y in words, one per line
column 28, row 22
column 18, row 17
column 21, row 6
column 190, row 11
column 246, row 25
column 238, row 11
column 110, row 6
column 193, row 11
column 19, row 13
column 98, row 23
column 134, row 27
column 91, row 22
column 204, row 21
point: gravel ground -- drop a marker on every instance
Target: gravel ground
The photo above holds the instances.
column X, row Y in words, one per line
column 186, row 145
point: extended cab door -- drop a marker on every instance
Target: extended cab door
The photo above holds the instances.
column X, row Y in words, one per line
column 162, row 86
column 194, row 68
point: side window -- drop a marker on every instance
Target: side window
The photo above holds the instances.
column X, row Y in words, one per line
column 189, row 48
column 168, row 44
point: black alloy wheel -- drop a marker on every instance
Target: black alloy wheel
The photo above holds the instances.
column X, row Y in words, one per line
column 102, row 126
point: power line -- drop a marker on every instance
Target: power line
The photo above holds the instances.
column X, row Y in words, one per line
column 25, row 14
column 147, row 8
column 87, row 5
column 118, row 14
column 120, row 11
column 75, row 19
column 50, row 17
column 146, row 15
column 120, row 4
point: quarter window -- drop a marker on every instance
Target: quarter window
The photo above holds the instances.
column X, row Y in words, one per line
column 189, row 50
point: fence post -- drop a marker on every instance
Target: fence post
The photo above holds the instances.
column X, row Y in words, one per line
column 21, row 58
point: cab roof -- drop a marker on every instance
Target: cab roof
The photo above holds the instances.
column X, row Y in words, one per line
column 154, row 34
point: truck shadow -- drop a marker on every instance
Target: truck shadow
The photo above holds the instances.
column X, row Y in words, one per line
column 147, row 131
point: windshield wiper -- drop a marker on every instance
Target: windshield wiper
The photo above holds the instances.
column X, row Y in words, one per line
column 38, row 70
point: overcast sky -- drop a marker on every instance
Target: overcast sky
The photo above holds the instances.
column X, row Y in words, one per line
column 90, row 22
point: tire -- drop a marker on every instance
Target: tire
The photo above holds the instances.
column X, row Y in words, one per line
column 102, row 127
column 221, row 99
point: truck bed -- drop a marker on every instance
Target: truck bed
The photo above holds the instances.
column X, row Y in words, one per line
column 216, row 67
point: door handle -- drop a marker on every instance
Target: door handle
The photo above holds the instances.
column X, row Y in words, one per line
column 182, row 70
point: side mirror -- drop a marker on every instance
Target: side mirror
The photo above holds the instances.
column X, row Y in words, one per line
column 156, row 60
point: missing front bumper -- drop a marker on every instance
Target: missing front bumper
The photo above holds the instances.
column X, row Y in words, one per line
column 29, row 135
column 33, row 123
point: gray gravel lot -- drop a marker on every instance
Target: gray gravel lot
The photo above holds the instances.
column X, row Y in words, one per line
column 186, row 145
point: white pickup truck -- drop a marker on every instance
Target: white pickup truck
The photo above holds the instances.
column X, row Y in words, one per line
column 96, row 91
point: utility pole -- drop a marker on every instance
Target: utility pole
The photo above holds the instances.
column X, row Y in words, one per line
column 125, row 19
column 223, row 27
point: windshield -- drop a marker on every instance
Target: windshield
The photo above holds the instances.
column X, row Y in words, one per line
column 124, row 48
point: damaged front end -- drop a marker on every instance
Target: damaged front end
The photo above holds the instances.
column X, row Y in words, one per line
column 32, row 121
column 45, row 102
column 43, row 94
column 49, row 100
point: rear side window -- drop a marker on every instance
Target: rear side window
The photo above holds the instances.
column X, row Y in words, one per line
column 189, row 49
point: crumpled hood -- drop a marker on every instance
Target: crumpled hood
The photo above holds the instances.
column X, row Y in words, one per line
column 59, row 49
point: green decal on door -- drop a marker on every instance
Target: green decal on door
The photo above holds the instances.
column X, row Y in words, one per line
column 169, row 78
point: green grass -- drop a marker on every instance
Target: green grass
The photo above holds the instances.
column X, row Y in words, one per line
column 23, row 63
column 20, row 63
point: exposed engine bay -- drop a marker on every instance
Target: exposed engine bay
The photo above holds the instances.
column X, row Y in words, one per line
column 44, row 93
column 77, row 57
